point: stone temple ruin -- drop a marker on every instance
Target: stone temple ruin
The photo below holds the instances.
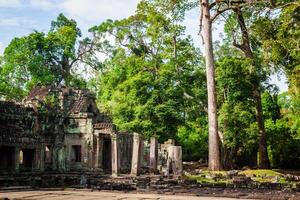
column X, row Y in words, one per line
column 62, row 130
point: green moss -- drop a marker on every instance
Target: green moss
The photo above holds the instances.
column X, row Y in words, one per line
column 262, row 180
column 73, row 130
column 283, row 180
column 223, row 173
column 203, row 178
column 265, row 175
column 261, row 176
column 200, row 179
column 265, row 180
column 260, row 172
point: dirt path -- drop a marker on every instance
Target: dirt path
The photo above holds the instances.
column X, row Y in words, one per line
column 88, row 195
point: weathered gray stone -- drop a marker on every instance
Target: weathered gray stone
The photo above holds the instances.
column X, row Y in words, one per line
column 62, row 130
column 174, row 163
column 115, row 156
column 153, row 155
column 230, row 174
column 136, row 154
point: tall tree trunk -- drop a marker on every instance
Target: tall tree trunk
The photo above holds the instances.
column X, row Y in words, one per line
column 264, row 162
column 206, row 23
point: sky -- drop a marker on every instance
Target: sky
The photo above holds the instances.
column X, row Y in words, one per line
column 21, row 17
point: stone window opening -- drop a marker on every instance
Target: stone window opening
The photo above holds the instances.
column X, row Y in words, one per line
column 27, row 159
column 76, row 153
column 48, row 154
column 21, row 157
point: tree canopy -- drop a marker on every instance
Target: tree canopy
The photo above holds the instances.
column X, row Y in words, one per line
column 148, row 85
column 41, row 59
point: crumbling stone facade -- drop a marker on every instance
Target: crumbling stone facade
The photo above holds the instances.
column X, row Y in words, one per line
column 18, row 138
column 62, row 130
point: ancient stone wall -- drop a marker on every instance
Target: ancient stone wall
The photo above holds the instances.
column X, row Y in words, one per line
column 125, row 146
column 20, row 140
column 61, row 130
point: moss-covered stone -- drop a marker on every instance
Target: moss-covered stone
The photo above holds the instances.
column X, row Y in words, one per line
column 262, row 179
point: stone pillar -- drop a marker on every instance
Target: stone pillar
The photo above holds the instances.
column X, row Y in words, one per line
column 90, row 154
column 177, row 156
column 137, row 152
column 39, row 158
column 17, row 159
column 90, row 143
column 36, row 160
column 100, row 152
column 96, row 152
column 54, row 162
column 153, row 155
column 174, row 162
column 115, row 156
column 61, row 162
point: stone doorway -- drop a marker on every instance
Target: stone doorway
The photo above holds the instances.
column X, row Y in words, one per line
column 7, row 159
column 76, row 153
column 27, row 159
column 106, row 159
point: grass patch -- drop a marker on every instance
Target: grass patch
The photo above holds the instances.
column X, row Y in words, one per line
column 261, row 172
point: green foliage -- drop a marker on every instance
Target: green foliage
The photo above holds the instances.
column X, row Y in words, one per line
column 283, row 145
column 147, row 84
column 193, row 137
column 236, row 109
column 41, row 59
column 270, row 106
column 234, row 79
column 269, row 34
column 279, row 36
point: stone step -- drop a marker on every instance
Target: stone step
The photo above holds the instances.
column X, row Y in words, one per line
column 15, row 188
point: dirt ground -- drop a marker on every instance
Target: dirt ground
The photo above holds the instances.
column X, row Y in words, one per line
column 88, row 195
